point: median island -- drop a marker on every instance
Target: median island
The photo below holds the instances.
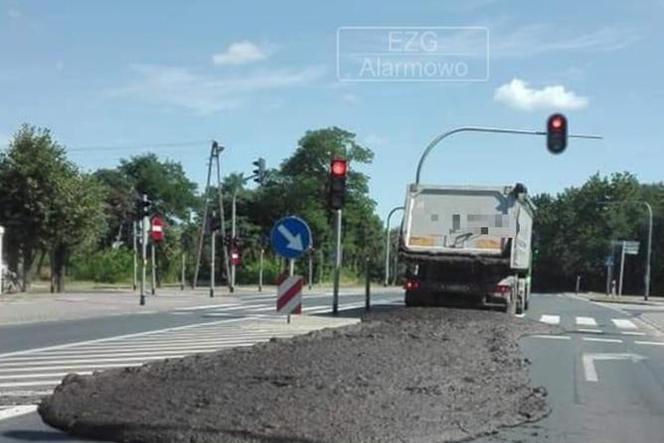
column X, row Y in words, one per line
column 403, row 374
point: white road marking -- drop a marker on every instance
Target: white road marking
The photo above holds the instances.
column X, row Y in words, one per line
column 554, row 337
column 589, row 370
column 602, row 340
column 25, row 394
column 590, row 331
column 550, row 319
column 196, row 308
column 15, row 411
column 586, row 321
column 632, row 333
column 623, row 323
column 654, row 343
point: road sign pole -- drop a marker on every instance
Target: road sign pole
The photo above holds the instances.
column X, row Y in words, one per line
column 622, row 268
column 144, row 251
column 321, row 262
column 291, row 267
column 135, row 279
column 311, row 269
column 337, row 263
column 260, row 270
column 154, row 272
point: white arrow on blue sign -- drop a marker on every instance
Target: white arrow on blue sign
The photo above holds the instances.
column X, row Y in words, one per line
column 290, row 237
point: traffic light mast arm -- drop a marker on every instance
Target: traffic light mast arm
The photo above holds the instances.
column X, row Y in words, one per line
column 444, row 135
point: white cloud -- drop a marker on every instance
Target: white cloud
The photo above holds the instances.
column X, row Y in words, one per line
column 4, row 140
column 535, row 39
column 373, row 140
column 203, row 93
column 350, row 98
column 240, row 53
column 517, row 94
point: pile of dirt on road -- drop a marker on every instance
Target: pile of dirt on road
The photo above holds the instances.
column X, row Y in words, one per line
column 405, row 375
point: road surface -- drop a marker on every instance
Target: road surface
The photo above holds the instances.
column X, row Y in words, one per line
column 604, row 372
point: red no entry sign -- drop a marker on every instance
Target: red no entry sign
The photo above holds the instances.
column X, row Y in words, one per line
column 289, row 296
column 156, row 229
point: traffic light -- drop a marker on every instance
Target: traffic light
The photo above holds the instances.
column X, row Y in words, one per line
column 556, row 133
column 143, row 207
column 337, row 196
column 260, row 171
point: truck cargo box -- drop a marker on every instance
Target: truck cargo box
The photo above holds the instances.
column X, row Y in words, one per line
column 476, row 223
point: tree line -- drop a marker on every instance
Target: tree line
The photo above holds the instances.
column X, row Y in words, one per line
column 81, row 224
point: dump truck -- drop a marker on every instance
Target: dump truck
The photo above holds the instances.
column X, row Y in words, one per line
column 468, row 244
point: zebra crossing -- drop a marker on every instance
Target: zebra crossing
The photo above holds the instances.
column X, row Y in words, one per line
column 25, row 376
column 615, row 330
column 264, row 305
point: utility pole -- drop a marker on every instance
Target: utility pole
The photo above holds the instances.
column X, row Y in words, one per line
column 135, row 279
column 649, row 254
column 144, row 246
column 337, row 263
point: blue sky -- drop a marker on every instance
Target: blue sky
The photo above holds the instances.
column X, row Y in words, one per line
column 257, row 75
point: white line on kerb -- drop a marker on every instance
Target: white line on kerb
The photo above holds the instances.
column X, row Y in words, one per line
column 15, row 411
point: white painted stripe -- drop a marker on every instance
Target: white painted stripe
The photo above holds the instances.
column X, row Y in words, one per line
column 41, row 365
column 590, row 331
column 15, row 411
column 654, row 343
column 632, row 333
column 24, row 393
column 586, row 321
column 602, row 340
column 623, row 323
column 217, row 305
column 268, row 308
column 237, row 308
column 554, row 337
column 102, row 340
column 550, row 319
column 22, row 384
column 589, row 370
column 118, row 353
column 62, row 374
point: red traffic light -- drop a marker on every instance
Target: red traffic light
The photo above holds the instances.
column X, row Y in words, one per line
column 556, row 133
column 338, row 167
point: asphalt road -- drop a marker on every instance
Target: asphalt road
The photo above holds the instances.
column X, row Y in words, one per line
column 604, row 372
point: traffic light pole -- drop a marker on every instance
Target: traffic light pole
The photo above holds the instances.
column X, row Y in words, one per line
column 154, row 271
column 212, row 256
column 144, row 250
column 233, row 233
column 337, row 263
column 444, row 135
column 260, row 270
column 135, row 280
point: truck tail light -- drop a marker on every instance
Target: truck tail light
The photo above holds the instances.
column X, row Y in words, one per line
column 411, row 285
column 502, row 289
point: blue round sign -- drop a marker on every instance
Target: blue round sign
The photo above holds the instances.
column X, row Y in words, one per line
column 290, row 237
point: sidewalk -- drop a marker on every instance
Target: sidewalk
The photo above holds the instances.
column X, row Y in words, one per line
column 30, row 307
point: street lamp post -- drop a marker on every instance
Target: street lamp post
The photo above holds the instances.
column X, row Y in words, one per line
column 387, row 243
